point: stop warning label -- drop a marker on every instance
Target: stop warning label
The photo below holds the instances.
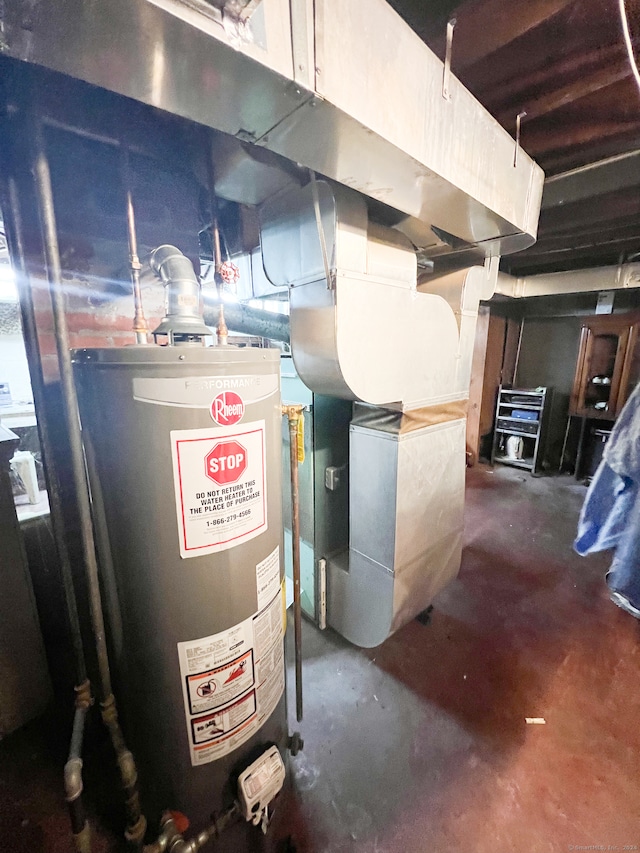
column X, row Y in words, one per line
column 220, row 486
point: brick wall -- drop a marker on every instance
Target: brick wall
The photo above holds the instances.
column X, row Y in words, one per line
column 92, row 319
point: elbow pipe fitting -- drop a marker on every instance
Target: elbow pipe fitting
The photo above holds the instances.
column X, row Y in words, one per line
column 73, row 785
column 128, row 771
column 170, row 264
column 183, row 310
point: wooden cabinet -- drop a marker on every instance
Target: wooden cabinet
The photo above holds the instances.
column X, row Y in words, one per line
column 608, row 365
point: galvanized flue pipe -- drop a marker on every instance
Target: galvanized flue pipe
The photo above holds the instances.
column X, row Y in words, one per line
column 248, row 320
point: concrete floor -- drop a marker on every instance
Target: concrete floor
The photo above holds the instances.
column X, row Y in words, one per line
column 422, row 744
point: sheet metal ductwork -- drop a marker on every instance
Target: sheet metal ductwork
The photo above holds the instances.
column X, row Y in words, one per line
column 619, row 277
column 346, row 89
column 369, row 332
column 363, row 329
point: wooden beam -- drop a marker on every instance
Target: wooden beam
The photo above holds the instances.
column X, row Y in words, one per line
column 589, row 256
column 536, row 141
column 563, row 160
column 614, row 174
column 616, row 210
column 485, row 26
column 548, row 102
column 607, row 232
column 513, row 91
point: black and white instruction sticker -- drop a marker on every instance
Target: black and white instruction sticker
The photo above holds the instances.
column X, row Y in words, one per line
column 220, row 486
column 268, row 577
column 232, row 682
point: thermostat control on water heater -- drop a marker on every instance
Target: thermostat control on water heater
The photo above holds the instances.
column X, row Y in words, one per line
column 259, row 784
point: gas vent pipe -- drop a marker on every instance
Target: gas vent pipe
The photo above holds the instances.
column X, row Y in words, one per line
column 182, row 322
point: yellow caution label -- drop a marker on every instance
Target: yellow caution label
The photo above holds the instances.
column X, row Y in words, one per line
column 301, row 439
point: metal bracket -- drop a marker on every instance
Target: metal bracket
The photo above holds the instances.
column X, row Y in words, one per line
column 322, row 593
column 333, row 476
column 446, row 71
column 330, row 275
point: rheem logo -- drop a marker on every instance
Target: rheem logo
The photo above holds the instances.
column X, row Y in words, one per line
column 227, row 408
column 226, row 462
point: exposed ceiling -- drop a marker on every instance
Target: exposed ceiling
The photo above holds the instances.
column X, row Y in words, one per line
column 564, row 64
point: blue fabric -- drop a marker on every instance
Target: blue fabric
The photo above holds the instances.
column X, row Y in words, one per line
column 624, row 575
column 605, row 512
column 622, row 451
column 610, row 516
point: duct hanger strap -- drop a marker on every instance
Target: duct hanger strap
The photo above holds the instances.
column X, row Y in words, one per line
column 328, row 274
column 446, row 70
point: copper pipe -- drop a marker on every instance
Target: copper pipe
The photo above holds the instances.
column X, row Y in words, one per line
column 139, row 320
column 294, row 413
column 222, row 330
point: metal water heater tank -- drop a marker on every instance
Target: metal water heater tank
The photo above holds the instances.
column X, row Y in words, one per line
column 183, row 448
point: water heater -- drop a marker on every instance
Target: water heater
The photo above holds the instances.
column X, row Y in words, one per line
column 184, row 453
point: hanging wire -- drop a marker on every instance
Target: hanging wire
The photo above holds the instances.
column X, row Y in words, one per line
column 627, row 40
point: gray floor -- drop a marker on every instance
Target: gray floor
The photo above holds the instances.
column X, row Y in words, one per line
column 423, row 743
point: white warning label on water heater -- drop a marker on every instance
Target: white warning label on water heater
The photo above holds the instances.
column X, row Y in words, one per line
column 220, row 486
column 232, row 682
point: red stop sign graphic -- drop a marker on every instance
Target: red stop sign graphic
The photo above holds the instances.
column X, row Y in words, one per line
column 226, row 462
